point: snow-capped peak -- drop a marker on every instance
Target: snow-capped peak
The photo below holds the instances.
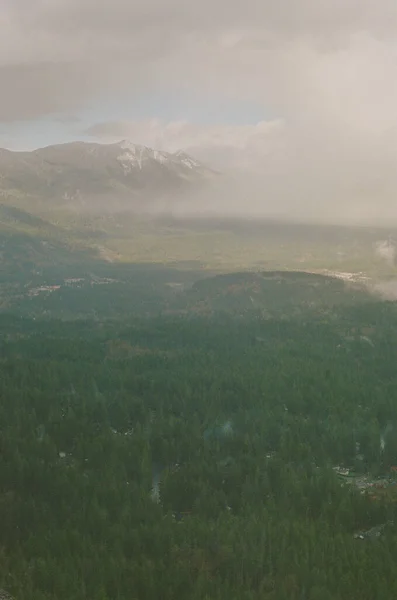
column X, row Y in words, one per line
column 185, row 159
column 135, row 155
column 133, row 148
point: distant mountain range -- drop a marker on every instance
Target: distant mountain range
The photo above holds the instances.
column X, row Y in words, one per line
column 85, row 203
column 80, row 173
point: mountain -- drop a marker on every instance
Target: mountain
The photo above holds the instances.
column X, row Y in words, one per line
column 82, row 174
column 83, row 202
column 29, row 243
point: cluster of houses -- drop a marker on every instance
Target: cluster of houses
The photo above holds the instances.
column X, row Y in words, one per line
column 374, row 487
column 43, row 288
column 72, row 282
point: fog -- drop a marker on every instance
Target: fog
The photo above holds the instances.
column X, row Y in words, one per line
column 296, row 100
column 387, row 290
column 251, row 195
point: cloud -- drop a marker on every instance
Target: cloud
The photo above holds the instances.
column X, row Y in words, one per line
column 68, row 118
column 277, row 52
column 326, row 70
column 282, row 168
column 222, row 146
column 30, row 91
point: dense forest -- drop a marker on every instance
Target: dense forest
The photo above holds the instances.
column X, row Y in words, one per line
column 200, row 457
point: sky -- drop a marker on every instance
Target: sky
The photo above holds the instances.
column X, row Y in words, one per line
column 300, row 93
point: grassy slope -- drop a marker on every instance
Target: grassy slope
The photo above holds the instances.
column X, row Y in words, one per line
column 214, row 245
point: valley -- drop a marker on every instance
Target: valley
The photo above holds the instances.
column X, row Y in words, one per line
column 126, row 219
column 190, row 408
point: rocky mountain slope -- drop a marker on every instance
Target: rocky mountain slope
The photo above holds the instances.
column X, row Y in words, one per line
column 83, row 202
column 82, row 173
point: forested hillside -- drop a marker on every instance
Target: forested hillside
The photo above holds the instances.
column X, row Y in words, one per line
column 200, row 457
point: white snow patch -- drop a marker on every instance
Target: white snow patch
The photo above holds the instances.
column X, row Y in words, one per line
column 134, row 155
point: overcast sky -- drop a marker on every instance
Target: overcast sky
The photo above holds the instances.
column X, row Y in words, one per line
column 302, row 91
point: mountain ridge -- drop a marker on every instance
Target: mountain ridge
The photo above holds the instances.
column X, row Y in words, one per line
column 78, row 172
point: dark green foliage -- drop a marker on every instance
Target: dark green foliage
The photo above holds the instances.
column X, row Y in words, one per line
column 238, row 422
